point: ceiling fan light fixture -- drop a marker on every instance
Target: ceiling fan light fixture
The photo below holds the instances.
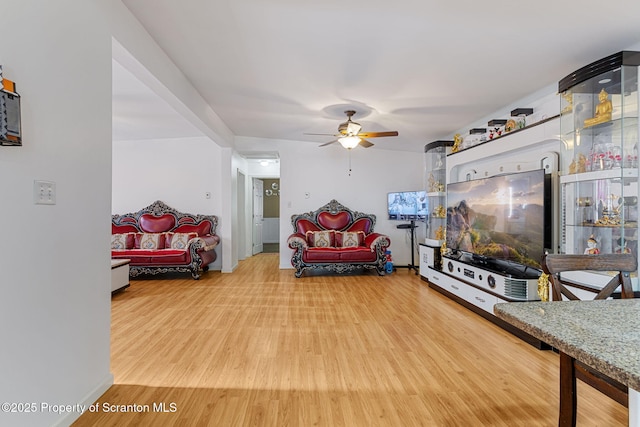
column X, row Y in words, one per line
column 349, row 142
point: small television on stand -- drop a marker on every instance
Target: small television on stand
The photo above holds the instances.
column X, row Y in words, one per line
column 409, row 206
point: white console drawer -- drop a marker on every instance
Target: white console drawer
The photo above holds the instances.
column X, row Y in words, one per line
column 480, row 299
column 468, row 293
column 449, row 284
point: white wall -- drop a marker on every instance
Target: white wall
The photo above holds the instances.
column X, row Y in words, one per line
column 177, row 171
column 54, row 260
column 135, row 50
column 180, row 172
column 324, row 174
column 240, row 217
column 271, row 230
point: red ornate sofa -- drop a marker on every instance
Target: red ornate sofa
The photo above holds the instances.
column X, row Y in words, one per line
column 337, row 239
column 159, row 239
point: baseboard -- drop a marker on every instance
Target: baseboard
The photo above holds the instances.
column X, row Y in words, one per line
column 88, row 400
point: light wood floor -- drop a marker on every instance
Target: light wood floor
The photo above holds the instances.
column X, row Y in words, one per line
column 259, row 347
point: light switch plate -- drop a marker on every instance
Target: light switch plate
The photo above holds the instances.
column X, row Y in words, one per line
column 44, row 192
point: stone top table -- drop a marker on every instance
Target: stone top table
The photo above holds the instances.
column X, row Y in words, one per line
column 604, row 335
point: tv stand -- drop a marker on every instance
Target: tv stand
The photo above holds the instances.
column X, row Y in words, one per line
column 406, row 226
column 411, row 226
column 481, row 288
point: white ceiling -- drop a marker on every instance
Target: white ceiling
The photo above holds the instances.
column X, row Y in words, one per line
column 139, row 113
column 282, row 68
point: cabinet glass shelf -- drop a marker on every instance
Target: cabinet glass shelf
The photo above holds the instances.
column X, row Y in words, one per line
column 599, row 129
column 435, row 179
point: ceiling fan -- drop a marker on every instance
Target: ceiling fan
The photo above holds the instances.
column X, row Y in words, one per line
column 349, row 135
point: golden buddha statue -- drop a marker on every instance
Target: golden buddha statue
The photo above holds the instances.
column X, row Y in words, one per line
column 603, row 110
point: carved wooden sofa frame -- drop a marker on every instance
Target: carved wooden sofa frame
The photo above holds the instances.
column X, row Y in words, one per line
column 193, row 253
column 368, row 252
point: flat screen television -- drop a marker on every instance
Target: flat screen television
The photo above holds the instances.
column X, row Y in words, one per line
column 407, row 206
column 505, row 218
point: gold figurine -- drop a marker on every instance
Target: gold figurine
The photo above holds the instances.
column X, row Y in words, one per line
column 440, row 233
column 434, row 185
column 603, row 110
column 579, row 166
column 543, row 287
column 440, row 212
column 457, row 141
column 443, row 248
column 582, row 163
column 611, row 212
column 568, row 96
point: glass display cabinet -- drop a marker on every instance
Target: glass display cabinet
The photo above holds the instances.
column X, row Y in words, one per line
column 599, row 160
column 435, row 184
column 435, row 173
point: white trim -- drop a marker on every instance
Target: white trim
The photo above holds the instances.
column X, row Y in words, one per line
column 88, row 400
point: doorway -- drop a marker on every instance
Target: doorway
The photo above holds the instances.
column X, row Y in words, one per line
column 266, row 215
column 258, row 217
column 271, row 215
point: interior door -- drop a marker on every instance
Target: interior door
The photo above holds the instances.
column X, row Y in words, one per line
column 258, row 219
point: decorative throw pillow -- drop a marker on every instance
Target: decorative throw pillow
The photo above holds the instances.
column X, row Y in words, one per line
column 321, row 239
column 120, row 242
column 351, row 239
column 180, row 240
column 151, row 241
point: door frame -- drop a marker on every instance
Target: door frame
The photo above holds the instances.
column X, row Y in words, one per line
column 257, row 247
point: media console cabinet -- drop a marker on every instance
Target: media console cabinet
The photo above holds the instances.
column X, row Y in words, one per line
column 473, row 285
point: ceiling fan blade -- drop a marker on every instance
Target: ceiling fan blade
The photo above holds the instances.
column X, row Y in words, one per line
column 353, row 128
column 327, row 143
column 377, row 134
column 321, row 134
column 365, row 144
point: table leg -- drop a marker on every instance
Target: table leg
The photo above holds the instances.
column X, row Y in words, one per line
column 634, row 408
column 568, row 392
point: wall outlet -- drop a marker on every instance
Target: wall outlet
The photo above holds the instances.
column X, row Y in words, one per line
column 44, row 192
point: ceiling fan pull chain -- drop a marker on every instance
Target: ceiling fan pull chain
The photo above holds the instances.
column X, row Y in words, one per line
column 349, row 162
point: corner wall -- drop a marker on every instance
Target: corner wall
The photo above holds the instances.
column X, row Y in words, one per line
column 54, row 263
column 180, row 172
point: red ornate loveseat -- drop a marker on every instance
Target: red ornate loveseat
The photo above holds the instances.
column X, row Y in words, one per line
column 159, row 239
column 337, row 239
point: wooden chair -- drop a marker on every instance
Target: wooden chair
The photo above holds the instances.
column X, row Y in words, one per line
column 624, row 264
column 571, row 369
